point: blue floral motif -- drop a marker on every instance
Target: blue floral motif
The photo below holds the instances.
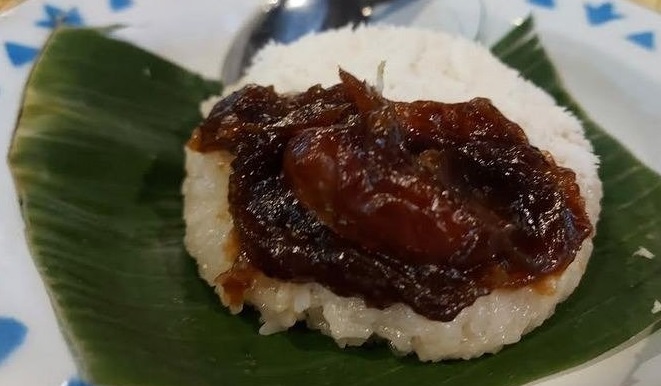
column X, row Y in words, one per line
column 20, row 54
column 600, row 14
column 643, row 39
column 119, row 5
column 543, row 3
column 12, row 335
column 55, row 16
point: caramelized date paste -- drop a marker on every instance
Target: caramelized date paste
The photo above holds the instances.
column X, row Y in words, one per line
column 424, row 203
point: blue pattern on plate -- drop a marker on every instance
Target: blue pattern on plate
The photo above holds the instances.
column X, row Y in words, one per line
column 20, row 54
column 12, row 335
column 55, row 16
column 118, row 5
column 77, row 382
column 600, row 14
column 643, row 39
column 543, row 3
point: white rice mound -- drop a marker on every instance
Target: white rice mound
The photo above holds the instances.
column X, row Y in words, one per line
column 420, row 64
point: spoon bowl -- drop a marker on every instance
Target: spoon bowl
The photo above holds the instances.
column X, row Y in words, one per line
column 284, row 21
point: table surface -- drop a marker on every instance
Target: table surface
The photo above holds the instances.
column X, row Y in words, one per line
column 653, row 4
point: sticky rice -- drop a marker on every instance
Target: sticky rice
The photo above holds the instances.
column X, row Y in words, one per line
column 420, row 64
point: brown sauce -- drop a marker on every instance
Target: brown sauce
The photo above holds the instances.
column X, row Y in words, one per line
column 424, row 203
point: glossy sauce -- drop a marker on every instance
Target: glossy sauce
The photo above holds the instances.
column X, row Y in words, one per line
column 424, row 203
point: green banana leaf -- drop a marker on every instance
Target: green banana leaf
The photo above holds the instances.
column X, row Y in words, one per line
column 97, row 160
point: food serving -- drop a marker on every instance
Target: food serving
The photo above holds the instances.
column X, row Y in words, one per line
column 447, row 212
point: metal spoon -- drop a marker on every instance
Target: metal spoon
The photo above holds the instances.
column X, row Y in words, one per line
column 284, row 21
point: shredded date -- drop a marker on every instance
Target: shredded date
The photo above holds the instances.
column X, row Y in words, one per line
column 425, row 203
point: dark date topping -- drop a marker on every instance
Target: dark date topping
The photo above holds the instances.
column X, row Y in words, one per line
column 424, row 203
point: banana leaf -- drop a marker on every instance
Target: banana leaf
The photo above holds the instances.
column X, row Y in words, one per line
column 97, row 161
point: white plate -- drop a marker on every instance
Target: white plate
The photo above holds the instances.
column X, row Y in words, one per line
column 605, row 51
